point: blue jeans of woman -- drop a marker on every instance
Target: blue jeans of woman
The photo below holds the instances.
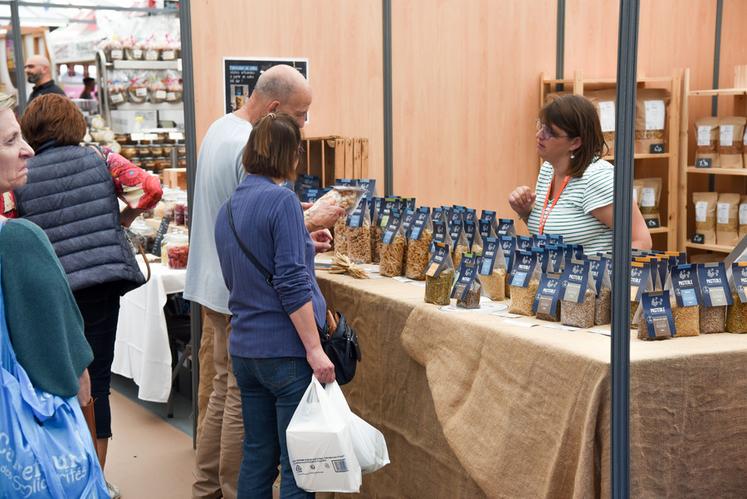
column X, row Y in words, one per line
column 270, row 392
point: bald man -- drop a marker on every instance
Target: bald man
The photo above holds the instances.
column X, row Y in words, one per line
column 219, row 171
column 39, row 73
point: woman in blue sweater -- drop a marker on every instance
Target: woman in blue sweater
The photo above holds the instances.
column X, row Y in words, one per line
column 274, row 343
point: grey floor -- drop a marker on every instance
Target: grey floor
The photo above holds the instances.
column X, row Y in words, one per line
column 182, row 419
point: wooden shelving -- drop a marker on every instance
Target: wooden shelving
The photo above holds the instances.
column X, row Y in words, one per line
column 710, row 247
column 718, row 171
column 718, row 92
column 645, row 164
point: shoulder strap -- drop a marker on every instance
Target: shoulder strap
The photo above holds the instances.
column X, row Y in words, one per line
column 266, row 273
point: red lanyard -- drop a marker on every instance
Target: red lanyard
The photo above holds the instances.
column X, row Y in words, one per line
column 545, row 209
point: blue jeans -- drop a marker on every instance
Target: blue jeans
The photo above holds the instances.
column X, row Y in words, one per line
column 270, row 392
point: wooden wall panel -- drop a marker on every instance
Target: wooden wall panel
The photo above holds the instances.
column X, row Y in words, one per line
column 342, row 40
column 466, row 92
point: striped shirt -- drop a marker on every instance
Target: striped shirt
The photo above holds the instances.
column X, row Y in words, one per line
column 572, row 217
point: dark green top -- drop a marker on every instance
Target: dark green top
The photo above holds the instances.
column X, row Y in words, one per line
column 45, row 325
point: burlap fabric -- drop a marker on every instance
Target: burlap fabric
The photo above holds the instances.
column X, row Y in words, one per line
column 474, row 407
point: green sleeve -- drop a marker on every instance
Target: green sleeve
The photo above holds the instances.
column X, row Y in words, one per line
column 45, row 325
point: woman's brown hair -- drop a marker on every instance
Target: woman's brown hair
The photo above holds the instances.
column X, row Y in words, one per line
column 53, row 117
column 576, row 116
column 272, row 149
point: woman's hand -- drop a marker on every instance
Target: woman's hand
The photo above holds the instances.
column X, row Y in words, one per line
column 522, row 201
column 323, row 216
column 324, row 369
column 84, row 392
column 322, row 240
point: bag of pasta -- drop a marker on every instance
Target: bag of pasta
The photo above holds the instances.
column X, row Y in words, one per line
column 685, row 299
column 554, row 262
column 640, row 282
column 524, row 243
column 736, row 313
column 468, row 288
column 715, row 296
column 730, row 137
column 418, row 245
column 440, row 276
column 394, row 245
column 525, row 277
column 546, row 305
column 604, row 102
column 656, row 322
column 577, row 295
column 461, row 246
column 344, row 196
column 377, row 230
column 473, row 240
column 706, row 145
column 493, row 270
column 440, row 235
column 650, row 120
column 359, row 234
column 491, row 216
column 485, row 229
column 508, row 245
column 600, row 275
column 505, row 227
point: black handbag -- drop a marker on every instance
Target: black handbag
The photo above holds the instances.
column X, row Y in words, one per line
column 340, row 345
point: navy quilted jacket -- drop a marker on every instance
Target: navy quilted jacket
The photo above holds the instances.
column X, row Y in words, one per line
column 70, row 194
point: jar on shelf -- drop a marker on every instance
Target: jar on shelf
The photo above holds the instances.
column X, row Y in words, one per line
column 177, row 250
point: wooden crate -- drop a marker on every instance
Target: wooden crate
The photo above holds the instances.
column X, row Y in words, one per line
column 334, row 157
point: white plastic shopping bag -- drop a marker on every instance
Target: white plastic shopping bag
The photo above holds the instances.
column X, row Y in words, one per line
column 319, row 445
column 368, row 442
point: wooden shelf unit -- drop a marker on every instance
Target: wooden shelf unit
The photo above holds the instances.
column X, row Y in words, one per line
column 669, row 204
column 738, row 183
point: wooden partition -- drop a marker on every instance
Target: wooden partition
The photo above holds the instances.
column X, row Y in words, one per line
column 465, row 74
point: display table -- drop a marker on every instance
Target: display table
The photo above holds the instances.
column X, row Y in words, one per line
column 473, row 404
column 141, row 351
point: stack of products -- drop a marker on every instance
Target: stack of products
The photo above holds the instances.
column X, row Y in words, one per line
column 720, row 142
column 719, row 218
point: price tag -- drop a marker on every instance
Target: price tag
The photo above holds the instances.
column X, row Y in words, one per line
column 698, row 239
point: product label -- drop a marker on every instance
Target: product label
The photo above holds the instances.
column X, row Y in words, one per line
column 554, row 239
column 170, row 96
column 655, row 113
column 469, row 232
column 574, row 281
column 356, row 219
column 386, row 209
column 168, row 55
column 555, row 258
column 370, row 185
column 311, row 195
column 539, row 240
column 117, row 98
column 726, row 135
column 151, row 55
column 657, row 315
column 489, row 253
column 116, row 54
column 607, row 116
column 548, row 295
column 505, row 227
column 508, row 245
column 141, row 91
column 704, row 135
column 438, row 260
column 722, row 213
column 714, row 287
column 648, row 197
column 573, row 251
column 418, row 225
column 456, row 224
column 686, row 285
column 467, row 275
column 523, row 268
column 640, row 280
column 137, row 53
column 598, row 268
column 395, row 220
column 486, row 229
column 739, row 278
column 407, row 221
column 161, row 94
column 701, row 211
column 410, row 203
column 743, row 214
column 440, row 234
column 470, row 215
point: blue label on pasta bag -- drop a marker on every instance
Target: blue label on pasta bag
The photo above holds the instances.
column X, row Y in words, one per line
column 356, row 219
column 369, row 184
column 410, row 204
column 440, row 234
column 508, row 245
column 456, row 223
column 407, row 219
column 554, row 239
column 469, row 231
column 575, row 281
column 438, row 214
column 573, row 251
column 311, row 195
column 523, row 268
column 598, row 267
column 686, row 285
column 539, row 240
column 387, row 205
column 505, row 227
column 548, row 295
column 489, row 253
column 523, row 243
column 739, row 278
column 470, row 215
column 554, row 260
column 640, row 280
column 349, row 182
column 420, row 222
column 657, row 315
column 489, row 215
column 485, row 229
column 714, row 287
column 395, row 220
column 438, row 260
column 466, row 276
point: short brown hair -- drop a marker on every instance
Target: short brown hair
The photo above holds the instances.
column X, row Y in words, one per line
column 272, row 148
column 53, row 117
column 577, row 117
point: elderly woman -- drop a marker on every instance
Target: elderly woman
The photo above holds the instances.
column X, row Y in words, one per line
column 274, row 343
column 72, row 193
column 575, row 185
column 50, row 346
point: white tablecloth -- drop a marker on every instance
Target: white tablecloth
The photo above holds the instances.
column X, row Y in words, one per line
column 141, row 351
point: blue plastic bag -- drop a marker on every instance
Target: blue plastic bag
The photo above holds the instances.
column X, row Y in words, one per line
column 46, row 450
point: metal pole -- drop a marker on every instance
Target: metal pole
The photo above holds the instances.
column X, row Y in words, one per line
column 95, row 7
column 560, row 45
column 190, row 138
column 388, row 140
column 15, row 21
column 627, row 50
column 716, row 71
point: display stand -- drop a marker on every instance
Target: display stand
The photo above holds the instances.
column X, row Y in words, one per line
column 664, row 164
column 725, row 180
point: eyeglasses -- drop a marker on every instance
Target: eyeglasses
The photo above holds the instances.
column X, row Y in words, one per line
column 545, row 132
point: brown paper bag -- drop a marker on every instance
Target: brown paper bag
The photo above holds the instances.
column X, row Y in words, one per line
column 706, row 142
column 705, row 215
column 651, row 120
column 731, row 137
column 648, row 200
column 604, row 102
column 727, row 219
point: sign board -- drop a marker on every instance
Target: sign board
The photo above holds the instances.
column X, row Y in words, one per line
column 240, row 75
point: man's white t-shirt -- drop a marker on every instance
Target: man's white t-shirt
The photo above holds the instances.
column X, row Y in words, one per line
column 219, row 172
